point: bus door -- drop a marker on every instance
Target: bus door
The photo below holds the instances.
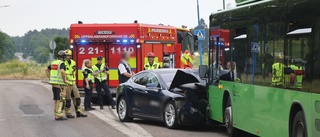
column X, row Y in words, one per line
column 113, row 54
column 87, row 51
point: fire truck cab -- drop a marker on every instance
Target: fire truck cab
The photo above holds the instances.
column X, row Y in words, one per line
column 109, row 40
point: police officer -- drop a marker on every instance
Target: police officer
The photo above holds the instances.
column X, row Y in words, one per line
column 151, row 63
column 72, row 90
column 124, row 69
column 87, row 83
column 100, row 73
column 56, row 73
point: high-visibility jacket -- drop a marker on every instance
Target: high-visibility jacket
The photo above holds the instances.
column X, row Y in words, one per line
column 155, row 65
column 70, row 71
column 187, row 60
column 277, row 74
column 90, row 75
column 299, row 78
column 101, row 76
column 55, row 73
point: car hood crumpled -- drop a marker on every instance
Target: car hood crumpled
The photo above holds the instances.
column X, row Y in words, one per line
column 185, row 76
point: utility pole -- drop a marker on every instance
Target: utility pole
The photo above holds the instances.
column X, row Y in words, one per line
column 224, row 4
column 199, row 27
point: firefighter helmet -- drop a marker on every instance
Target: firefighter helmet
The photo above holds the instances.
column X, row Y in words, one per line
column 62, row 54
column 187, row 52
column 150, row 54
column 68, row 52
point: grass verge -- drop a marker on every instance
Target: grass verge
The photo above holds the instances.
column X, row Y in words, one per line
column 22, row 70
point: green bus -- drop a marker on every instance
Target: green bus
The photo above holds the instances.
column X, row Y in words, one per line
column 256, row 89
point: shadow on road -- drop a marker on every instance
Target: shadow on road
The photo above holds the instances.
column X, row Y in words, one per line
column 201, row 128
column 219, row 129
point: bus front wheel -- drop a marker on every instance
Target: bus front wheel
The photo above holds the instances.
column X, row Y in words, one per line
column 299, row 128
column 228, row 121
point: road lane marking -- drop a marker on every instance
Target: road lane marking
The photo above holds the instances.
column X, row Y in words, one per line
column 109, row 120
column 133, row 126
column 31, row 115
column 1, row 120
column 132, row 130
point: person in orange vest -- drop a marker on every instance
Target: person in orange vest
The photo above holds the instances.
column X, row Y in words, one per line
column 187, row 60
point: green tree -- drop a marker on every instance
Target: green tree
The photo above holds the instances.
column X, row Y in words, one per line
column 62, row 44
column 7, row 47
column 205, row 43
column 39, row 48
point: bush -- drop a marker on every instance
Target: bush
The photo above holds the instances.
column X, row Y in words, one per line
column 22, row 70
column 197, row 60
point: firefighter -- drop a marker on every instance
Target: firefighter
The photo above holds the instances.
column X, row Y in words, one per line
column 299, row 75
column 87, row 83
column 151, row 64
column 72, row 90
column 187, row 60
column 100, row 71
column 57, row 78
column 277, row 72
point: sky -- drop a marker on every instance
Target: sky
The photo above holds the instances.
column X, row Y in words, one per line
column 25, row 15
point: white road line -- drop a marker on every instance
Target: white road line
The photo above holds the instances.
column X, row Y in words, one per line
column 130, row 129
column 134, row 126
column 1, row 120
column 31, row 115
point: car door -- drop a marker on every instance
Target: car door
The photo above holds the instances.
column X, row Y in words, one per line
column 153, row 97
column 138, row 91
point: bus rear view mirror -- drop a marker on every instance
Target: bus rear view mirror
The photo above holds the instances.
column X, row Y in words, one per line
column 203, row 71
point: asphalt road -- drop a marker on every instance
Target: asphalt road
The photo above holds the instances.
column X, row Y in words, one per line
column 26, row 110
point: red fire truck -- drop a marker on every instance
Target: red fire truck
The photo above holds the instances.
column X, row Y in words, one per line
column 224, row 44
column 109, row 40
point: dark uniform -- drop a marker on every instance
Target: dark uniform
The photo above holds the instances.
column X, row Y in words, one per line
column 87, row 73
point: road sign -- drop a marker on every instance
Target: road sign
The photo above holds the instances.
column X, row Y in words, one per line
column 52, row 45
column 255, row 47
column 200, row 33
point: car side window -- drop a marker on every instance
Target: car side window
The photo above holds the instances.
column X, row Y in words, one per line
column 140, row 79
column 152, row 79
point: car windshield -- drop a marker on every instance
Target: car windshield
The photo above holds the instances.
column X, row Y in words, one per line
column 167, row 78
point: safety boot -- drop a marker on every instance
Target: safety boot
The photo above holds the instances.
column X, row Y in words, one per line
column 79, row 112
column 60, row 116
column 68, row 113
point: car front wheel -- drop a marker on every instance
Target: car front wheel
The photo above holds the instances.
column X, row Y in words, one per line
column 170, row 115
column 122, row 109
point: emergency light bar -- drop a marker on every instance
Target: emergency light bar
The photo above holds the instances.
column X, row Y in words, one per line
column 117, row 41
